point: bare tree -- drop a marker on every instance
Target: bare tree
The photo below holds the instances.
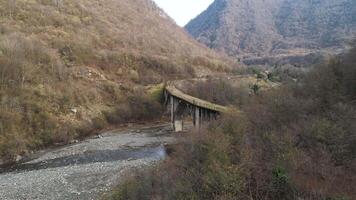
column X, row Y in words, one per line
column 58, row 3
column 11, row 5
column 18, row 61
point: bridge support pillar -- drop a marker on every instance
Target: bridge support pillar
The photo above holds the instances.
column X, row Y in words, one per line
column 179, row 103
column 171, row 99
column 174, row 105
column 197, row 116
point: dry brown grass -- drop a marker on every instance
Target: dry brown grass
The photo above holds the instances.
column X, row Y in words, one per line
column 98, row 32
column 293, row 142
column 62, row 56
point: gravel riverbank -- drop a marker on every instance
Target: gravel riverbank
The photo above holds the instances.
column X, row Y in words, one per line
column 85, row 170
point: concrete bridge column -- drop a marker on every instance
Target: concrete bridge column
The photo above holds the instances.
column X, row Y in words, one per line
column 205, row 115
column 178, row 103
column 174, row 105
column 171, row 99
column 209, row 115
column 197, row 116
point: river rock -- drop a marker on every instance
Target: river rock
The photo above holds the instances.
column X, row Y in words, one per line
column 84, row 171
column 74, row 141
column 18, row 158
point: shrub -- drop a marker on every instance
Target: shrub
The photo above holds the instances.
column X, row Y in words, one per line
column 299, row 133
column 136, row 107
column 255, row 88
column 220, row 92
column 199, row 168
column 281, row 188
column 22, row 60
column 12, row 140
column 99, row 123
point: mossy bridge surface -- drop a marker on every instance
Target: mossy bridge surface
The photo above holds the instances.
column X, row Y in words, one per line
column 182, row 104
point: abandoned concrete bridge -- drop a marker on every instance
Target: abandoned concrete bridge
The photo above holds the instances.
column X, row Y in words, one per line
column 181, row 105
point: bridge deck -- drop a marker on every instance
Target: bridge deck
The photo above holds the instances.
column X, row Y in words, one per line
column 171, row 89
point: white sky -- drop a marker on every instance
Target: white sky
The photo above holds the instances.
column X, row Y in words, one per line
column 182, row 11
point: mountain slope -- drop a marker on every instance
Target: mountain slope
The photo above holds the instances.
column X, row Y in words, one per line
column 64, row 64
column 275, row 28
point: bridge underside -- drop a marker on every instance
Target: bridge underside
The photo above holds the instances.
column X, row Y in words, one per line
column 180, row 109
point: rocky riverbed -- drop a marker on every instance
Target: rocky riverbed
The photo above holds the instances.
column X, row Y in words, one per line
column 87, row 169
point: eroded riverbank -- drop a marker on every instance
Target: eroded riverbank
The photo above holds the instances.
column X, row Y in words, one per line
column 87, row 169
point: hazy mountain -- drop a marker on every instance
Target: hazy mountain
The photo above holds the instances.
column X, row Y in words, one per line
column 252, row 29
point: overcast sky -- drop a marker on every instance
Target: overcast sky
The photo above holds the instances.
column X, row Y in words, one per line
column 182, row 11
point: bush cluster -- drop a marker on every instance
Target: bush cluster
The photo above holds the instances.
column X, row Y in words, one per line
column 294, row 142
column 136, row 107
column 219, row 91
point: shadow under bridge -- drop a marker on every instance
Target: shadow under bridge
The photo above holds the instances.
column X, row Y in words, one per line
column 181, row 104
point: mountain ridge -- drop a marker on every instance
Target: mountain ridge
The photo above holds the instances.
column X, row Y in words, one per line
column 260, row 29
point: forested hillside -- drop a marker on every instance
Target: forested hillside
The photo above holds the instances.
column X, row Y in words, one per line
column 67, row 67
column 292, row 142
column 276, row 31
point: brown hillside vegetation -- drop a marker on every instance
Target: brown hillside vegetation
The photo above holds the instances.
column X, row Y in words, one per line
column 293, row 142
column 64, row 63
column 276, row 31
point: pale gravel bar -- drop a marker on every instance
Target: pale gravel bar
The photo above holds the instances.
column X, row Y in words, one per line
column 85, row 170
